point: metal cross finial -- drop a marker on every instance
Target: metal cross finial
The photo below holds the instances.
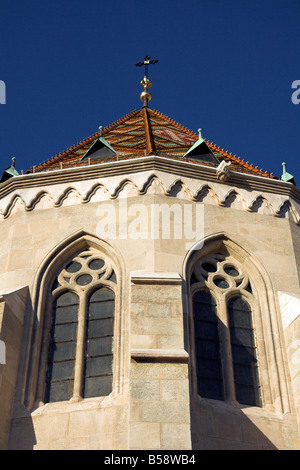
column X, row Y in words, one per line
column 146, row 62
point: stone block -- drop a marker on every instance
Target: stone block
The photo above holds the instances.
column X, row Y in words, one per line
column 143, row 341
column 175, row 436
column 166, row 412
column 50, row 428
column 168, row 390
column 144, row 436
column 159, row 371
column 144, row 390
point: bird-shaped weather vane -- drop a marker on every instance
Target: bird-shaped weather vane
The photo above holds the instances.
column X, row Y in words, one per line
column 145, row 96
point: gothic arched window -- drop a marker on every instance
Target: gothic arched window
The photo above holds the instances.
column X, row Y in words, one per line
column 79, row 359
column 224, row 338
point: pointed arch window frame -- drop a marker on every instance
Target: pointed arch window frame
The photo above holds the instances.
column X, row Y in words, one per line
column 32, row 375
column 222, row 298
column 84, row 294
column 275, row 390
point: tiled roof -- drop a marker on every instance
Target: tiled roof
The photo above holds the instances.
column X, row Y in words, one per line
column 145, row 132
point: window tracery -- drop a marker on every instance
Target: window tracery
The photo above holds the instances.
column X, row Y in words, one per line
column 81, row 329
column 224, row 336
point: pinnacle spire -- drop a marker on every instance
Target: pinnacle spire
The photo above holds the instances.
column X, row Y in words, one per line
column 287, row 176
column 146, row 96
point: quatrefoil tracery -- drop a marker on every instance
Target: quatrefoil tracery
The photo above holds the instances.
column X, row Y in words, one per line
column 83, row 270
column 221, row 272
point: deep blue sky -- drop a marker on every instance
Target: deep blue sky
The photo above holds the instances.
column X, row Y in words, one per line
column 225, row 66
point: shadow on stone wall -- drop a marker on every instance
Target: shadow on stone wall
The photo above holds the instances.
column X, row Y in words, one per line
column 22, row 435
column 220, row 426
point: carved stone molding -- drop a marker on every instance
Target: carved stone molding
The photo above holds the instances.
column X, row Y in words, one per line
column 45, row 196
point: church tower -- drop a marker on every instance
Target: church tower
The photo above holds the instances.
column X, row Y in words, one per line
column 150, row 296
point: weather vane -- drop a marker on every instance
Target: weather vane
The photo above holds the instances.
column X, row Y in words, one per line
column 145, row 96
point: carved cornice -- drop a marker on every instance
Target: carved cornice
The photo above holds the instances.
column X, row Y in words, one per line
column 145, row 175
column 129, row 166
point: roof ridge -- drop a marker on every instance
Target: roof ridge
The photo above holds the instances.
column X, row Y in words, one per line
column 225, row 153
column 234, row 158
column 70, row 154
column 121, row 120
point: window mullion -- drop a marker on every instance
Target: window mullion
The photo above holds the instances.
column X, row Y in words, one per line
column 228, row 377
column 44, row 356
column 80, row 347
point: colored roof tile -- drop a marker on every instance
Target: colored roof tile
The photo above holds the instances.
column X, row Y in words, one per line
column 145, row 132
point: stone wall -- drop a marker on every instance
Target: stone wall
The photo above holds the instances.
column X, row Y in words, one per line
column 155, row 408
column 12, row 311
column 159, row 383
column 90, row 425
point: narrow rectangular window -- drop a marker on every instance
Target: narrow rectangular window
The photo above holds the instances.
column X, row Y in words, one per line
column 99, row 344
column 209, row 371
column 243, row 348
column 62, row 349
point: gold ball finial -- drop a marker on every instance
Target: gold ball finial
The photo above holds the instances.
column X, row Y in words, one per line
column 145, row 95
column 146, row 83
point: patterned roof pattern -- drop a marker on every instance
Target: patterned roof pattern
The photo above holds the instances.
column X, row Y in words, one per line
column 140, row 133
